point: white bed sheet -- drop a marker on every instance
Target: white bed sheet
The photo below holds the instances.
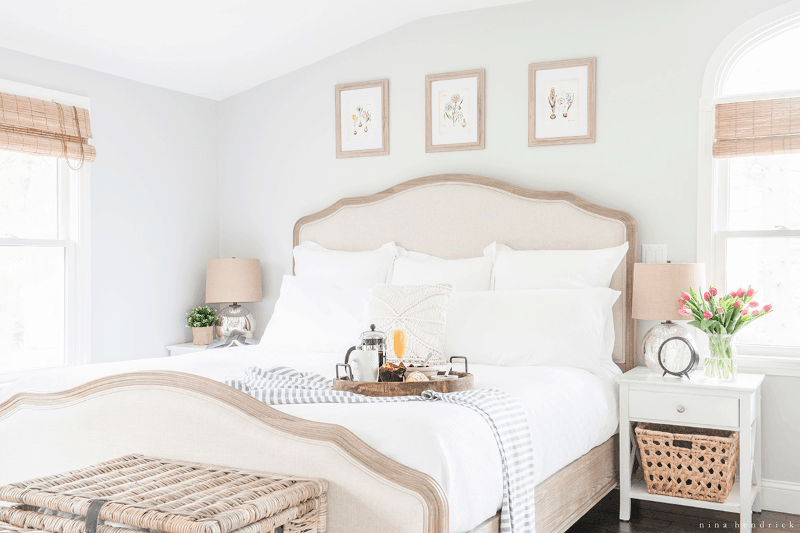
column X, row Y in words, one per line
column 570, row 412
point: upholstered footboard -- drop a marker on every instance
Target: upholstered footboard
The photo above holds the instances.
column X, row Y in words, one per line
column 186, row 417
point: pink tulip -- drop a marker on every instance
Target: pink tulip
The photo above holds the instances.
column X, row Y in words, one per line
column 737, row 304
column 753, row 303
column 707, row 314
column 706, row 296
column 684, row 311
column 750, row 292
column 720, row 310
column 682, row 304
column 744, row 312
column 755, row 313
column 685, row 296
column 733, row 294
column 767, row 308
column 713, row 290
column 740, row 292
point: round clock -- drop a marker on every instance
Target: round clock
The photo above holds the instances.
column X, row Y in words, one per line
column 678, row 356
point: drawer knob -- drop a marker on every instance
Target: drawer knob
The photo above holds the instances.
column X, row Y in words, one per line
column 680, row 408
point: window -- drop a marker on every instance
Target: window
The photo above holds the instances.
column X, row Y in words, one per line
column 749, row 217
column 757, row 242
column 764, row 68
column 44, row 252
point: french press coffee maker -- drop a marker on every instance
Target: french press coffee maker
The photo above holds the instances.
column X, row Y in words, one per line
column 363, row 360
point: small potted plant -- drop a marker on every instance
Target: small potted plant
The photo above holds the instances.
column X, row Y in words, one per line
column 202, row 321
column 721, row 319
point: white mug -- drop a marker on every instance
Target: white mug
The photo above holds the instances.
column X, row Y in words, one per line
column 364, row 364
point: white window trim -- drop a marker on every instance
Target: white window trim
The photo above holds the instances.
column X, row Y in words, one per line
column 75, row 192
column 777, row 361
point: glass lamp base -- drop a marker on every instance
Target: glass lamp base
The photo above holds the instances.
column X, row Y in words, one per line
column 676, row 355
column 234, row 319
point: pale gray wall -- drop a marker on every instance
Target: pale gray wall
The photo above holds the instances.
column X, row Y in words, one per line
column 276, row 140
column 780, row 415
column 154, row 212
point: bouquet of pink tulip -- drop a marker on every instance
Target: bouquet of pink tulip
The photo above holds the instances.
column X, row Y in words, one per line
column 723, row 316
column 721, row 319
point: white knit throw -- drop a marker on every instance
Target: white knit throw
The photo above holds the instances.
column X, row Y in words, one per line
column 420, row 310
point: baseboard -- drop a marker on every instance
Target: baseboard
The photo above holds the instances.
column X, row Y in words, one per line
column 781, row 496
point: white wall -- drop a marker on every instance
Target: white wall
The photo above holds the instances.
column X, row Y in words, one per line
column 154, row 214
column 277, row 140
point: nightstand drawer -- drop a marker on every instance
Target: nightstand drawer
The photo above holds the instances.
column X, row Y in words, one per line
column 684, row 408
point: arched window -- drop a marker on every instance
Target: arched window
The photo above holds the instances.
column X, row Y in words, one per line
column 770, row 66
column 748, row 201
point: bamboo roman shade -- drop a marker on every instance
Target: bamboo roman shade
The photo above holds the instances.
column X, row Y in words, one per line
column 45, row 128
column 759, row 127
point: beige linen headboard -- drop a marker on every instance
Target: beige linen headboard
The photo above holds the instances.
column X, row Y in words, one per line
column 454, row 216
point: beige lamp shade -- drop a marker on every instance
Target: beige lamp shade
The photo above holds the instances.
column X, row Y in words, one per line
column 233, row 280
column 658, row 286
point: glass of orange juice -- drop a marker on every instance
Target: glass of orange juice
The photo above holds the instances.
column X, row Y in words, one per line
column 399, row 343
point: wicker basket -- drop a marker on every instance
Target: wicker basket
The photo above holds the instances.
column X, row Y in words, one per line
column 165, row 495
column 688, row 462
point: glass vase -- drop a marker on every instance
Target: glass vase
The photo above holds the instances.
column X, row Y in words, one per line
column 721, row 361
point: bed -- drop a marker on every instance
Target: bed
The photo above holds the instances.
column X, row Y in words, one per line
column 159, row 409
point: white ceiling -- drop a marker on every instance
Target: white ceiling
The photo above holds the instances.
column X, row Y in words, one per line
column 210, row 48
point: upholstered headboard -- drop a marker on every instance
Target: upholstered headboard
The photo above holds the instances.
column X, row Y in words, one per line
column 454, row 216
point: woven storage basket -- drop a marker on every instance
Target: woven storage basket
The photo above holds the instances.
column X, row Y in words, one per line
column 165, row 495
column 688, row 462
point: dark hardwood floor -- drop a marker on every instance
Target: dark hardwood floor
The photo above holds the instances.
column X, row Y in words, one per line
column 650, row 517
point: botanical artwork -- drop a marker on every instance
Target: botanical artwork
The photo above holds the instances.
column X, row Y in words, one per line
column 562, row 102
column 454, row 111
column 360, row 125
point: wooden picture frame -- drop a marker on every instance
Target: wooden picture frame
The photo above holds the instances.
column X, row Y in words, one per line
column 577, row 79
column 472, row 102
column 365, row 97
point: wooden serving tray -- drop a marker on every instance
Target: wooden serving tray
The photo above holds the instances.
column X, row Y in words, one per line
column 411, row 388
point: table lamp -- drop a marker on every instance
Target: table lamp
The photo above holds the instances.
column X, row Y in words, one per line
column 233, row 281
column 657, row 289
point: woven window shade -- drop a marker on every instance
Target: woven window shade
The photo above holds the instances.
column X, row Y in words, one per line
column 759, row 127
column 45, row 128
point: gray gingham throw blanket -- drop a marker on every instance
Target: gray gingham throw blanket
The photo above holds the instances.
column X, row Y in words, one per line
column 503, row 414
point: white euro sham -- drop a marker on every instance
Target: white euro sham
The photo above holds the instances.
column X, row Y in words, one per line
column 344, row 269
column 556, row 269
column 473, row 274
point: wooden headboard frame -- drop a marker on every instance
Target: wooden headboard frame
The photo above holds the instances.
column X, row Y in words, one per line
column 457, row 215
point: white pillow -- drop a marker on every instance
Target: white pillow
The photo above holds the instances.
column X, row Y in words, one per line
column 530, row 328
column 556, row 269
column 344, row 269
column 317, row 317
column 474, row 274
column 418, row 309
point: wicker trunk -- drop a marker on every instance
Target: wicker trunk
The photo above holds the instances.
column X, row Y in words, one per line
column 165, row 495
column 688, row 462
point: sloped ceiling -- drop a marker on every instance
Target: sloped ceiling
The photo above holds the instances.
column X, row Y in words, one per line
column 209, row 48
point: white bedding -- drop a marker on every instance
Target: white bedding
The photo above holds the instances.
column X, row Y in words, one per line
column 570, row 411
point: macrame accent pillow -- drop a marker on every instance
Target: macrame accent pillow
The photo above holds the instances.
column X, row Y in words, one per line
column 420, row 310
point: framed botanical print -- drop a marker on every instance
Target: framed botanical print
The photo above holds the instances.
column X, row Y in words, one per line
column 455, row 111
column 561, row 102
column 362, row 118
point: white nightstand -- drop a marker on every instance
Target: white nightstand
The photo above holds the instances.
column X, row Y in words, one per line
column 699, row 402
column 186, row 347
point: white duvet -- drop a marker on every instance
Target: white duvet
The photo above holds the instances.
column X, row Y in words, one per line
column 570, row 411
